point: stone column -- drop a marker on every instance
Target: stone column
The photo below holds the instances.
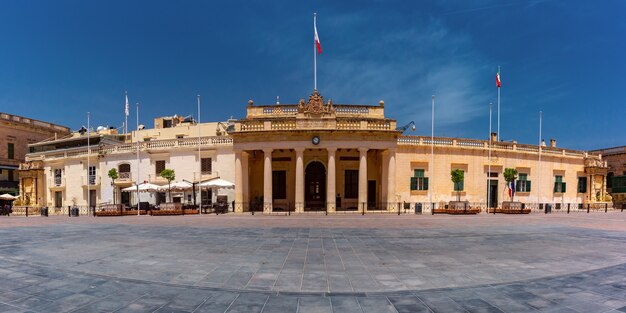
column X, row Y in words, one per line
column 391, row 181
column 299, row 198
column 330, row 181
column 384, row 193
column 238, row 182
column 362, row 178
column 267, row 181
column 245, row 181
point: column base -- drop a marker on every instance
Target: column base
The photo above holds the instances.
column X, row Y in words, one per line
column 267, row 208
column 331, row 207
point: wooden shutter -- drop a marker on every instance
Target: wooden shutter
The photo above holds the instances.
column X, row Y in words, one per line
column 425, row 183
column 413, row 183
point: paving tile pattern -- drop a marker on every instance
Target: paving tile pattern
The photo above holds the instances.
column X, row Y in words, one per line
column 108, row 266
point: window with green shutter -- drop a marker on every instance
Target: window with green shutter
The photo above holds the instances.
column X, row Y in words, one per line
column 559, row 185
column 523, row 184
column 582, row 184
column 11, row 151
column 418, row 181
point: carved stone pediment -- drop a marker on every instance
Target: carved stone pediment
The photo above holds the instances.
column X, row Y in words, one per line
column 315, row 105
column 594, row 162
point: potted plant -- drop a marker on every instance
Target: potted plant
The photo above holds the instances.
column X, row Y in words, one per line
column 113, row 175
column 169, row 175
column 457, row 176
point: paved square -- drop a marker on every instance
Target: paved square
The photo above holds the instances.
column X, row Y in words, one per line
column 311, row 263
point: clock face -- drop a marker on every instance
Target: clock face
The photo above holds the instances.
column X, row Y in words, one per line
column 315, row 140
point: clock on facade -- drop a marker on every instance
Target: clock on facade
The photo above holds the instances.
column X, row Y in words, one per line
column 315, row 140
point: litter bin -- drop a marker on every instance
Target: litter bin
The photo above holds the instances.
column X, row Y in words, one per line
column 43, row 211
column 418, row 208
column 548, row 208
column 75, row 211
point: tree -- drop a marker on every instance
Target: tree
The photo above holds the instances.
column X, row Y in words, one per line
column 457, row 177
column 510, row 174
column 113, row 175
column 169, row 175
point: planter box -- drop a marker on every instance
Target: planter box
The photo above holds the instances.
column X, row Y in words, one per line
column 458, row 207
column 509, row 207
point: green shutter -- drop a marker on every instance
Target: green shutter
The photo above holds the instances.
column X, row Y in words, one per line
column 425, row 183
column 563, row 189
column 418, row 173
column 518, row 186
column 413, row 183
column 461, row 185
column 556, row 186
column 528, row 185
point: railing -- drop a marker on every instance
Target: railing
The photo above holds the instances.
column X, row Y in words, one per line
column 131, row 147
column 484, row 144
column 91, row 180
column 56, row 182
column 24, row 120
column 125, row 176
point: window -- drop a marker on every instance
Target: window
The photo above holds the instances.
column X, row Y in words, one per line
column 167, row 123
column 460, row 185
column 205, row 164
column 523, row 184
column 91, row 174
column 609, row 180
column 351, row 182
column 159, row 166
column 180, row 136
column 559, row 185
column 57, row 177
column 582, row 184
column 11, row 151
column 418, row 181
column 279, row 185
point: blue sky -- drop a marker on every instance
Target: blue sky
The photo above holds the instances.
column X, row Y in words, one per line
column 60, row 59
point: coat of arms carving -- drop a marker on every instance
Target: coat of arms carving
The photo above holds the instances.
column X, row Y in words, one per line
column 315, row 105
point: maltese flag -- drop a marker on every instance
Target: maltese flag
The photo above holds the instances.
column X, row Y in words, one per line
column 317, row 38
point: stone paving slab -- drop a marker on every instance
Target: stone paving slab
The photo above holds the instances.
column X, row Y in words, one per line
column 120, row 265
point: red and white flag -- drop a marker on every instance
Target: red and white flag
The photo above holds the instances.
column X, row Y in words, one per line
column 498, row 82
column 126, row 108
column 317, row 38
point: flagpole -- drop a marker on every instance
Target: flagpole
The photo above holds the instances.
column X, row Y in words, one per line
column 489, row 162
column 314, row 53
column 137, row 179
column 539, row 165
column 432, row 154
column 498, row 136
column 88, row 164
column 199, row 160
column 126, row 115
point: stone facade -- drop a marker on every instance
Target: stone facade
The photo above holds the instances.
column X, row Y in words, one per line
column 314, row 156
column 16, row 132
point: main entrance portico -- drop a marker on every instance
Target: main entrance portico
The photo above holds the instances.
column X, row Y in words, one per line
column 314, row 156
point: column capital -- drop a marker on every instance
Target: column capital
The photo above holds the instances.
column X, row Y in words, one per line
column 331, row 149
column 299, row 149
column 268, row 150
column 363, row 149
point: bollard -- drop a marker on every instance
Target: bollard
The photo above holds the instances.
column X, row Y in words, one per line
column 606, row 207
column 363, row 208
column 26, row 208
column 68, row 211
column 465, row 208
column 588, row 208
column 432, row 208
column 545, row 209
column 398, row 204
column 568, row 208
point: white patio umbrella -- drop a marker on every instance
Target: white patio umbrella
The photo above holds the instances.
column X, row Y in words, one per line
column 147, row 187
column 176, row 186
column 218, row 183
column 7, row 196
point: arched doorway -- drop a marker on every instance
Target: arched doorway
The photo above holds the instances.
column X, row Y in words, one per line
column 315, row 187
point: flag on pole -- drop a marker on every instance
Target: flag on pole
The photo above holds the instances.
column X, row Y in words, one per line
column 498, row 78
column 511, row 188
column 317, row 38
column 126, row 109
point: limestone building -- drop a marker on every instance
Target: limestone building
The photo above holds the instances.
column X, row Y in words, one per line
column 16, row 132
column 312, row 156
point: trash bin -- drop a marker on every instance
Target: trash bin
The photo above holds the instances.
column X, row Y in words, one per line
column 43, row 211
column 548, row 208
column 418, row 208
column 75, row 211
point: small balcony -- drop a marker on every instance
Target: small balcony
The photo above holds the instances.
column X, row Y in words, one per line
column 90, row 180
column 56, row 183
column 124, row 178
